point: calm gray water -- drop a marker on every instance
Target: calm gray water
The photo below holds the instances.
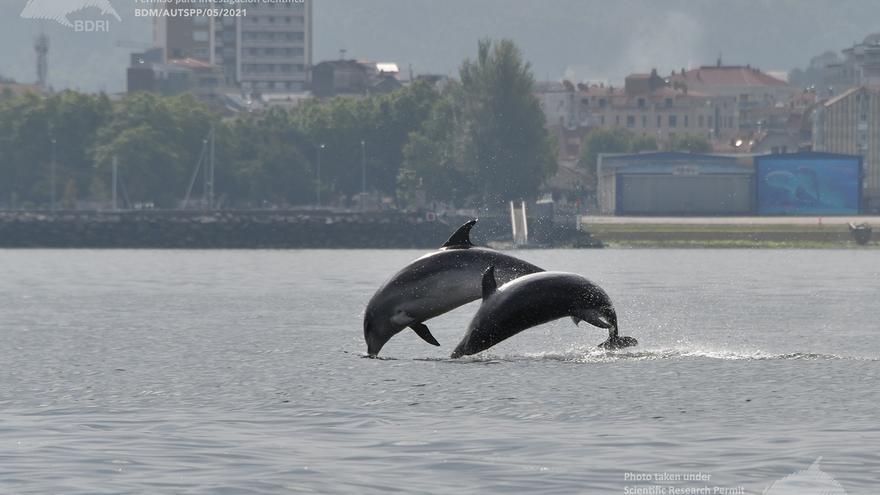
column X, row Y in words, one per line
column 241, row 372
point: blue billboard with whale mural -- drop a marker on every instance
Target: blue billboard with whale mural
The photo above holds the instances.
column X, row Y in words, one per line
column 808, row 184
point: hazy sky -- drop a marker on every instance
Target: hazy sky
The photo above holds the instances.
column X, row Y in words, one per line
column 583, row 39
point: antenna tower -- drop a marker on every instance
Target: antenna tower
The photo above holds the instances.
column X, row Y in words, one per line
column 41, row 46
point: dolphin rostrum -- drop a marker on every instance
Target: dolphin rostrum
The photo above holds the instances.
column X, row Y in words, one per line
column 432, row 285
column 535, row 299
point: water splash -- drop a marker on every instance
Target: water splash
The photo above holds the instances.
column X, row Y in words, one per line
column 589, row 354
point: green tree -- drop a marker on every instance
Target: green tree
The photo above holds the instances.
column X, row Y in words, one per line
column 150, row 167
column 398, row 114
column 69, row 198
column 74, row 122
column 603, row 140
column 506, row 144
column 157, row 141
column 484, row 136
column 381, row 122
column 643, row 143
column 267, row 160
column 340, row 124
column 28, row 125
column 433, row 155
column 689, row 142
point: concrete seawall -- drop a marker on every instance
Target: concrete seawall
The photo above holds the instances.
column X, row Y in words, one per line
column 727, row 231
column 309, row 229
column 227, row 229
column 220, row 229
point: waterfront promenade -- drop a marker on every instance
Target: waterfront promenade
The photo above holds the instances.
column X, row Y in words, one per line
column 751, row 231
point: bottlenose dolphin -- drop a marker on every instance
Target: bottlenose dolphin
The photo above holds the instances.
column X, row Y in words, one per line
column 432, row 285
column 535, row 299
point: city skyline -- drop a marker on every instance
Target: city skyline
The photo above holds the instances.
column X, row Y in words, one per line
column 557, row 42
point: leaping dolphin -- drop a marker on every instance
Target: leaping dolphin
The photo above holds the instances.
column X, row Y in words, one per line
column 432, row 285
column 535, row 299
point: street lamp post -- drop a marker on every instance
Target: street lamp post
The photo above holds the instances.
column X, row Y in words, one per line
column 6, row 141
column 52, row 177
column 115, row 174
column 363, row 171
column 318, row 181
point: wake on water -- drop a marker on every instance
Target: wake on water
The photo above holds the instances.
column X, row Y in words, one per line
column 589, row 354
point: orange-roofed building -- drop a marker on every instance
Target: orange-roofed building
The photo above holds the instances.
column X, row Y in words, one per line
column 16, row 89
column 652, row 106
column 746, row 84
column 753, row 90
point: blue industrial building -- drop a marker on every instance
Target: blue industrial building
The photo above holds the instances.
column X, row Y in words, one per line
column 808, row 184
column 673, row 184
column 690, row 184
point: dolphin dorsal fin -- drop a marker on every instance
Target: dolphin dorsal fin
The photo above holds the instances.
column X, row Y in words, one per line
column 461, row 239
column 489, row 283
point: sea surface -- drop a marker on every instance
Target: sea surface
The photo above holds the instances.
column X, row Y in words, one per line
column 237, row 372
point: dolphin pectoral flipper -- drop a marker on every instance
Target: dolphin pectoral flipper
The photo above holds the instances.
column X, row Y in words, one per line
column 461, row 239
column 422, row 331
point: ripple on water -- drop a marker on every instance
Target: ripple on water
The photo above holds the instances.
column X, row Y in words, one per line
column 207, row 372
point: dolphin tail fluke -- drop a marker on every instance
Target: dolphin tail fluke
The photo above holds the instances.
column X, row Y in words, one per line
column 422, row 331
column 461, row 239
column 618, row 342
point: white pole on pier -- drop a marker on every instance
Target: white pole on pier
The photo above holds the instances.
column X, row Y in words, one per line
column 519, row 224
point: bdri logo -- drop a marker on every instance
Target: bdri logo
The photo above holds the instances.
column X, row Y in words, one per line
column 58, row 10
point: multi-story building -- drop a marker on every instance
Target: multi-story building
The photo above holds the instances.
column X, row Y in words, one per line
column 273, row 47
column 850, row 123
column 182, row 37
column 559, row 101
column 860, row 66
column 353, row 77
column 14, row 88
column 149, row 72
column 565, row 119
column 747, row 84
column 751, row 89
column 268, row 50
column 649, row 106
